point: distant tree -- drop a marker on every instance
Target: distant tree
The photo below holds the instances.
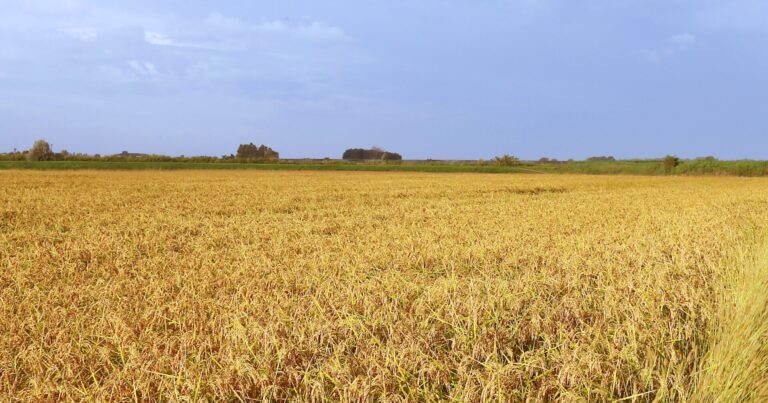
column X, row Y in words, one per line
column 353, row 154
column 40, row 151
column 388, row 156
column 247, row 151
column 372, row 154
column 251, row 151
column 670, row 162
column 506, row 160
column 601, row 158
column 707, row 158
column 268, row 153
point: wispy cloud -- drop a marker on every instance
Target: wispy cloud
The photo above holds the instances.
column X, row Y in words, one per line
column 682, row 40
column 145, row 69
column 313, row 29
column 316, row 30
column 219, row 47
column 221, row 33
column 158, row 39
column 83, row 34
column 672, row 46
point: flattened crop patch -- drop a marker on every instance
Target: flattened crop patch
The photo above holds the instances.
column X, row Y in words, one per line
column 538, row 190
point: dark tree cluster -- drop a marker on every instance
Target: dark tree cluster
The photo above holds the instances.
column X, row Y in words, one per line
column 251, row 151
column 545, row 160
column 371, row 154
column 601, row 158
column 41, row 151
column 710, row 158
column 670, row 162
column 506, row 160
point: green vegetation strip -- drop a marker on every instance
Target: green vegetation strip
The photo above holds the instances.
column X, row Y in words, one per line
column 97, row 165
column 626, row 167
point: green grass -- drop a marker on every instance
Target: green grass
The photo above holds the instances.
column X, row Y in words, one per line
column 98, row 165
column 625, row 167
column 651, row 167
column 738, row 168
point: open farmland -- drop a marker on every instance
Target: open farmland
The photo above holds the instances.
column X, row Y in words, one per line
column 382, row 286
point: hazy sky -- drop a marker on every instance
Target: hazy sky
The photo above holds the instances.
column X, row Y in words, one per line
column 426, row 78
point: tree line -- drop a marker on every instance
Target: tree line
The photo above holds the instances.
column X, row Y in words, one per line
column 375, row 153
column 41, row 150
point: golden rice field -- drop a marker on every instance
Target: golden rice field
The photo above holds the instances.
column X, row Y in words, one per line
column 238, row 286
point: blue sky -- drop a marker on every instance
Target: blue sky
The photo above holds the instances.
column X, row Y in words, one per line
column 426, row 78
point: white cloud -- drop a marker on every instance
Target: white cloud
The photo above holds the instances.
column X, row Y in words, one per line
column 673, row 45
column 682, row 40
column 151, row 69
column 155, row 38
column 321, row 30
column 222, row 33
column 177, row 52
column 146, row 69
column 316, row 30
column 84, row 34
column 159, row 39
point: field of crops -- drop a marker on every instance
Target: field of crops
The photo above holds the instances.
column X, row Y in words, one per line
column 239, row 285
